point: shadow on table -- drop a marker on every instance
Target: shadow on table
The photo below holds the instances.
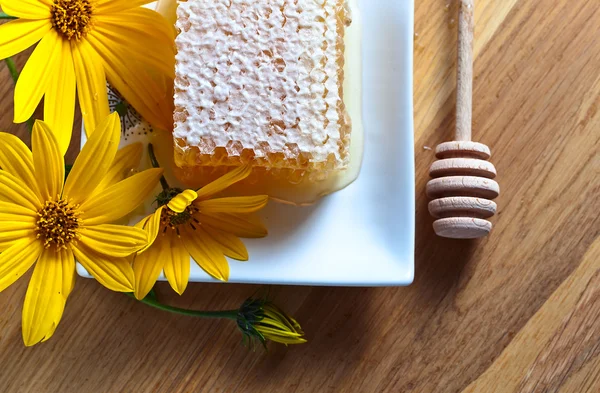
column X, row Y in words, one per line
column 346, row 326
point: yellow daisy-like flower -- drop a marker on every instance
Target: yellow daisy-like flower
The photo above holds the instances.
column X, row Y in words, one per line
column 263, row 320
column 49, row 222
column 82, row 44
column 195, row 224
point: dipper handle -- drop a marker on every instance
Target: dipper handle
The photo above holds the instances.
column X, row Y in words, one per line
column 464, row 87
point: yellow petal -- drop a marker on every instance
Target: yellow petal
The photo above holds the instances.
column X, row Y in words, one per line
column 112, row 6
column 245, row 204
column 142, row 223
column 181, row 201
column 118, row 32
column 177, row 264
column 230, row 244
column 50, row 332
column 127, row 159
column 28, row 9
column 68, row 269
column 16, row 223
column 36, row 76
column 95, row 159
column 8, row 237
column 15, row 261
column 48, row 162
column 168, row 9
column 132, row 80
column 151, row 224
column 206, row 253
column 224, row 182
column 277, row 319
column 281, row 337
column 238, row 225
column 114, row 240
column 20, row 34
column 10, row 211
column 91, row 84
column 59, row 102
column 15, row 191
column 110, row 205
column 44, row 300
column 138, row 20
column 147, row 267
column 115, row 274
column 16, row 158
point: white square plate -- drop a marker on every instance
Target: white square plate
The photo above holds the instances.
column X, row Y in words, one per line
column 364, row 234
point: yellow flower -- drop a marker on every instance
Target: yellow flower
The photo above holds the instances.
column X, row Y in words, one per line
column 263, row 320
column 49, row 222
column 82, row 44
column 193, row 223
column 168, row 9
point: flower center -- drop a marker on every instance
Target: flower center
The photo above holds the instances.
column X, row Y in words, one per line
column 172, row 220
column 71, row 18
column 57, row 224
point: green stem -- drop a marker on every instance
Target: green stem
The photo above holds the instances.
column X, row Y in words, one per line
column 6, row 16
column 155, row 164
column 230, row 314
column 12, row 67
column 14, row 73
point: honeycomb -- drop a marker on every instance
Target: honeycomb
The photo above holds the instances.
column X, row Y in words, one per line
column 261, row 83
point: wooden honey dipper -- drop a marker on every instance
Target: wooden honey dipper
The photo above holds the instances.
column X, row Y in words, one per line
column 462, row 187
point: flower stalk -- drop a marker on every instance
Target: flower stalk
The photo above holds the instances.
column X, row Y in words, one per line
column 153, row 302
column 12, row 68
column 156, row 164
column 257, row 319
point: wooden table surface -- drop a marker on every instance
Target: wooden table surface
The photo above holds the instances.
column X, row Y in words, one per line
column 516, row 312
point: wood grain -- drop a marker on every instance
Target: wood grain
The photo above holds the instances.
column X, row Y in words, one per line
column 515, row 312
column 556, row 344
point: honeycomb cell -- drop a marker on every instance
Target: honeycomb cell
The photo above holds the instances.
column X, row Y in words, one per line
column 234, row 148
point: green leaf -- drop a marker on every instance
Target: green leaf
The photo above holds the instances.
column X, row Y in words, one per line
column 6, row 16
